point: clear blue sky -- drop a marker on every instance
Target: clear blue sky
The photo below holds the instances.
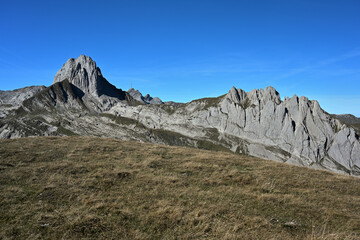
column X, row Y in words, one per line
column 182, row 50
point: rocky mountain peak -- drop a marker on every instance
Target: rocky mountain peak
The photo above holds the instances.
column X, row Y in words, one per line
column 85, row 75
column 136, row 94
column 255, row 97
column 236, row 95
column 270, row 93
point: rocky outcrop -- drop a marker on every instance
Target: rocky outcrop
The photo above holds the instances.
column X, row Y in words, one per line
column 17, row 96
column 302, row 132
column 11, row 100
column 85, row 75
column 344, row 152
column 147, row 99
column 258, row 123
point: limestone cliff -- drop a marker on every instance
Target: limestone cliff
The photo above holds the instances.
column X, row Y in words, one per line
column 258, row 123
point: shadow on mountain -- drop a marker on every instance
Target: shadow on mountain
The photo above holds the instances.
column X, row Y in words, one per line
column 61, row 95
column 107, row 89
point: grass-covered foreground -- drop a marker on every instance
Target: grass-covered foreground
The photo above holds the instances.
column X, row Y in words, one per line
column 96, row 188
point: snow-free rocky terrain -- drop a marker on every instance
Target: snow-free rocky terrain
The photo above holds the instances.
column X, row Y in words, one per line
column 258, row 123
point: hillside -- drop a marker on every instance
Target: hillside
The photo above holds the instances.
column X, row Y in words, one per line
column 100, row 188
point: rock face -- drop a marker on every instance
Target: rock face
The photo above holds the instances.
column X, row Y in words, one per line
column 17, row 96
column 258, row 123
column 81, row 101
column 296, row 128
column 147, row 99
column 10, row 100
column 84, row 74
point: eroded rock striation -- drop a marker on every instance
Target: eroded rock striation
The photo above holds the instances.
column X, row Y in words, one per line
column 81, row 101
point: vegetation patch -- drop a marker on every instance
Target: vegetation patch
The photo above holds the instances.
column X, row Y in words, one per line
column 170, row 109
column 245, row 103
column 65, row 131
column 177, row 139
column 170, row 138
column 212, row 133
column 207, row 145
column 278, row 150
column 122, row 120
column 99, row 188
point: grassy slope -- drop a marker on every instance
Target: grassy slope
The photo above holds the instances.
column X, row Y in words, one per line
column 78, row 187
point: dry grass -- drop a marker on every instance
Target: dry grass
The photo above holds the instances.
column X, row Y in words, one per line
column 96, row 188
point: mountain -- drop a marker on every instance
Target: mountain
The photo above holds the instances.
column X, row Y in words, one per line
column 258, row 123
column 84, row 74
column 97, row 93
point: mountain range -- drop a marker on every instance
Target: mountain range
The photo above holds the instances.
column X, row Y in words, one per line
column 81, row 101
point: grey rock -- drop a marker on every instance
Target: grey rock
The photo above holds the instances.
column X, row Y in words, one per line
column 344, row 152
column 296, row 130
column 17, row 96
column 85, row 75
column 136, row 94
column 147, row 99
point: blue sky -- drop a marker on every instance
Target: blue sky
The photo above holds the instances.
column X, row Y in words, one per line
column 188, row 49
